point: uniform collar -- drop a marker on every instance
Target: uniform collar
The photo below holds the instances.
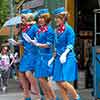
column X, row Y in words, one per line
column 61, row 28
column 26, row 27
column 42, row 28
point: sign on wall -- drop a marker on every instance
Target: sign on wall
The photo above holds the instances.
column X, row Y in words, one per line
column 33, row 4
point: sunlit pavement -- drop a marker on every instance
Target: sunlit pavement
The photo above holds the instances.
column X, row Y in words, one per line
column 85, row 95
column 14, row 92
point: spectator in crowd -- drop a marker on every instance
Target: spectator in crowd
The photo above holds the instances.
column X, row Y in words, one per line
column 4, row 68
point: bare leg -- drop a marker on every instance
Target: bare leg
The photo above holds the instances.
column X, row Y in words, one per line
column 33, row 82
column 52, row 92
column 25, row 85
column 63, row 91
column 68, row 87
column 48, row 92
column 44, row 88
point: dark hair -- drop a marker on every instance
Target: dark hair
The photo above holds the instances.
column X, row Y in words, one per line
column 4, row 48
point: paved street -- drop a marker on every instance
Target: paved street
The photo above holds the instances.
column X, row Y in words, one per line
column 72, row 21
column 85, row 95
column 14, row 92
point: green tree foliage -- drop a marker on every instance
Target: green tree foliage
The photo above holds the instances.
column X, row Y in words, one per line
column 4, row 11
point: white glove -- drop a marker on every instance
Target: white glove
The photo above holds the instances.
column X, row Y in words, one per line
column 34, row 42
column 64, row 56
column 29, row 40
column 26, row 37
column 12, row 41
column 51, row 61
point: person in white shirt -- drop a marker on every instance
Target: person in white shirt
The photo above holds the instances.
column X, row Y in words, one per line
column 4, row 68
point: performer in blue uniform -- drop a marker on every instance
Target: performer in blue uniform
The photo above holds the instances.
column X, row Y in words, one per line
column 65, row 69
column 28, row 60
column 44, row 42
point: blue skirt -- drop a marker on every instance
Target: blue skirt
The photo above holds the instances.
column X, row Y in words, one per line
column 28, row 62
column 67, row 71
column 42, row 69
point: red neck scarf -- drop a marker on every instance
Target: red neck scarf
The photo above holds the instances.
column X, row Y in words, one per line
column 25, row 27
column 61, row 28
column 43, row 29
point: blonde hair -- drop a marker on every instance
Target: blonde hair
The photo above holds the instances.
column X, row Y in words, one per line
column 47, row 18
column 62, row 16
column 29, row 18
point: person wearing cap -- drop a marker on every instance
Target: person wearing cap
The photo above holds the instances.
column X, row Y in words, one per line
column 28, row 60
column 44, row 42
column 65, row 69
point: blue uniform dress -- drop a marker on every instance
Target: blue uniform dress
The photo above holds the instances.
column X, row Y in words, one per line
column 68, row 70
column 28, row 60
column 44, row 54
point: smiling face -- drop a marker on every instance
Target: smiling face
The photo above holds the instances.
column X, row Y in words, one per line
column 59, row 21
column 24, row 19
column 41, row 21
column 4, row 50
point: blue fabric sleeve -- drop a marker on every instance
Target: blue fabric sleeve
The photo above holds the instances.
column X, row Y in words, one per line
column 70, row 37
column 50, row 36
column 32, row 31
